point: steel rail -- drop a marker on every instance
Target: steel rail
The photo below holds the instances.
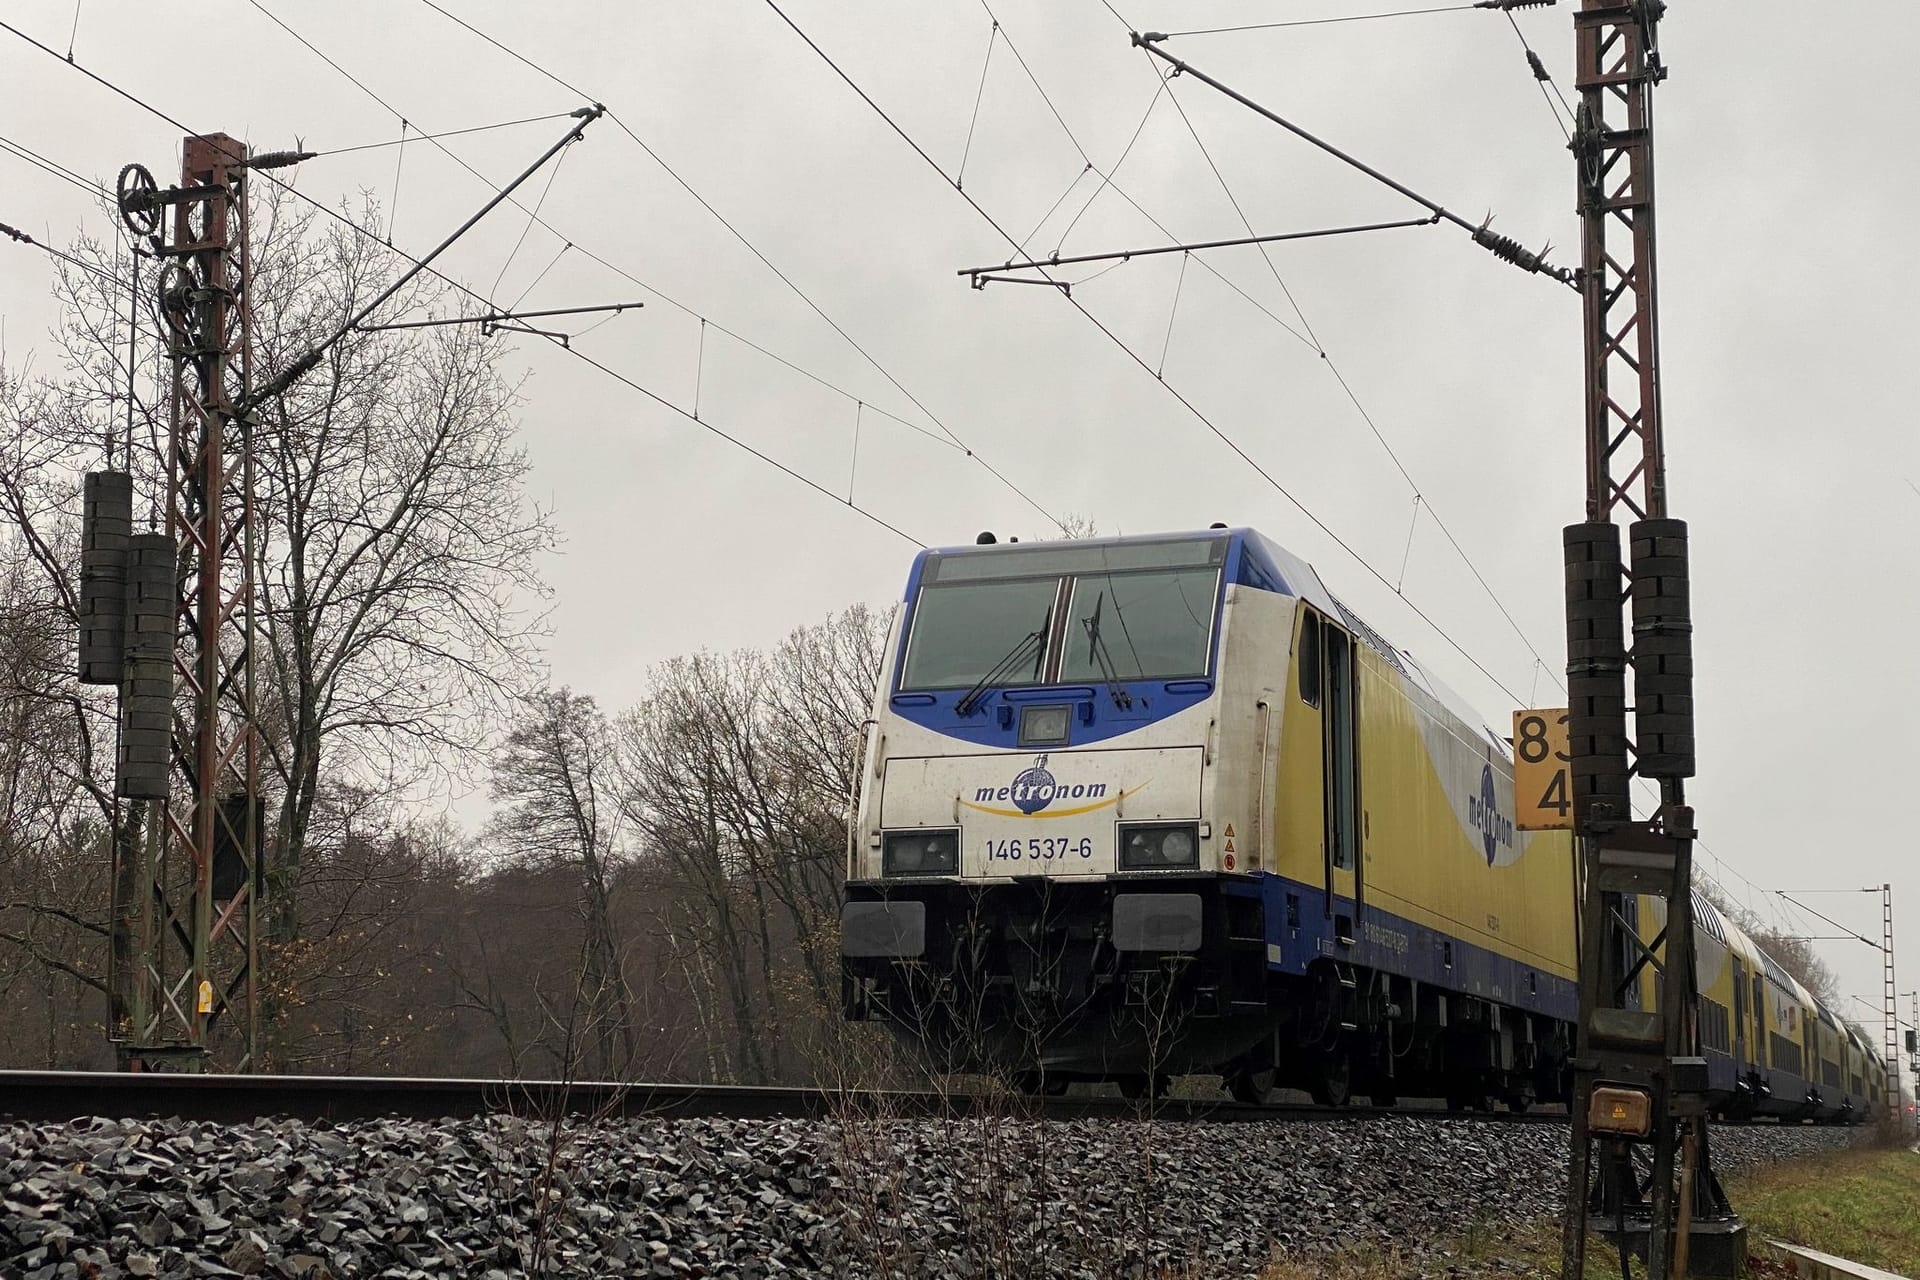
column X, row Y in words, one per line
column 59, row 1096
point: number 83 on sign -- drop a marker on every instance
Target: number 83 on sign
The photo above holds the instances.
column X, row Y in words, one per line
column 1542, row 784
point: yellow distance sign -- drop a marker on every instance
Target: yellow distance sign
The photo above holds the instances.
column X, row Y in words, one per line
column 1542, row 778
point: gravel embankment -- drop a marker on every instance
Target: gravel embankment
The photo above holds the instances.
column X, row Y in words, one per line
column 101, row 1199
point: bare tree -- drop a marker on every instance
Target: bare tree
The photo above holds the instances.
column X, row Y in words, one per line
column 551, row 782
column 395, row 535
column 820, row 705
column 738, row 772
column 675, row 773
column 396, row 545
column 1792, row 952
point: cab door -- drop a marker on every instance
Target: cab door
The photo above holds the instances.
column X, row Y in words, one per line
column 1341, row 765
column 1299, row 815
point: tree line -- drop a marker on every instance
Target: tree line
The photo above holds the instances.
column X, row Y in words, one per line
column 654, row 894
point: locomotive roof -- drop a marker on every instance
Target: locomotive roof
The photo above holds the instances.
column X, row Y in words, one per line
column 1289, row 575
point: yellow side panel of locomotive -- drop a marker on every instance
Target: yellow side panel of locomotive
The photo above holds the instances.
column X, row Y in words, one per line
column 1508, row 890
column 1424, row 776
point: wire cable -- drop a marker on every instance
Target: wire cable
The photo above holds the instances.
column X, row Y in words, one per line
column 539, row 204
column 1545, row 81
column 986, row 65
column 1173, row 313
column 1055, row 206
column 15, row 234
column 1035, row 81
column 754, row 249
column 1224, row 438
column 551, row 264
column 1320, row 22
column 52, row 167
column 617, row 376
column 1106, row 178
column 1346, row 388
column 402, row 140
column 950, row 439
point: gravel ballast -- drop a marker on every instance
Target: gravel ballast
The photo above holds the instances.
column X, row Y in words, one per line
column 100, row 1199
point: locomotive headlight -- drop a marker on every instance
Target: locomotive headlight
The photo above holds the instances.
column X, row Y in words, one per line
column 1160, row 847
column 920, row 853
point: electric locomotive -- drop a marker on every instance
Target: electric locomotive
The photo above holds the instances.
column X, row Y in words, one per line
column 1144, row 806
column 1140, row 806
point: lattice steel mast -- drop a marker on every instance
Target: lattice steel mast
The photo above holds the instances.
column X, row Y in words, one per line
column 190, row 743
column 1639, row 1082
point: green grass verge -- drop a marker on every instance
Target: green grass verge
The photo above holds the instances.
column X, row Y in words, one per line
column 1859, row 1205
column 1862, row 1205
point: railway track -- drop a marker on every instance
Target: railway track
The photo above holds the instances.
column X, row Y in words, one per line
column 56, row 1096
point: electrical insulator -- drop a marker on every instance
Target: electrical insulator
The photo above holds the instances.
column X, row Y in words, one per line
column 146, row 696
column 106, row 521
column 1662, row 649
column 1596, row 674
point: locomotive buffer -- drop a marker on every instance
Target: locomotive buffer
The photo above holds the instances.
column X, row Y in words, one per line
column 1639, row 1161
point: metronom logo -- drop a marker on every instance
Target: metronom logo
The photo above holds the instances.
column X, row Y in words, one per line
column 1034, row 789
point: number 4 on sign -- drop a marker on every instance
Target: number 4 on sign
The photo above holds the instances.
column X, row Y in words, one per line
column 1542, row 787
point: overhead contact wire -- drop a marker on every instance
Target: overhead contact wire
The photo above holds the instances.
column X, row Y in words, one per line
column 52, row 167
column 738, row 443
column 1224, row 438
column 1346, row 388
column 21, row 237
column 754, row 249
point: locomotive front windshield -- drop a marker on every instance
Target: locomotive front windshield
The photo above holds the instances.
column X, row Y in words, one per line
column 1133, row 611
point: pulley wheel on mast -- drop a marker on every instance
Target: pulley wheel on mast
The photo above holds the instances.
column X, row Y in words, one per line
column 138, row 197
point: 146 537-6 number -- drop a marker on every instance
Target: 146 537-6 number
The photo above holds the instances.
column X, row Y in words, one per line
column 1039, row 849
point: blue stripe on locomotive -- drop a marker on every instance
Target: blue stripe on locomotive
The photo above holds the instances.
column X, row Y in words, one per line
column 1475, row 970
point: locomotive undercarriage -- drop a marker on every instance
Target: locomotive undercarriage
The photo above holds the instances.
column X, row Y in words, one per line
column 1030, row 981
column 1347, row 1031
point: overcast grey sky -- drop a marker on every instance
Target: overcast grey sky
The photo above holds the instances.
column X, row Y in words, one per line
column 1785, row 181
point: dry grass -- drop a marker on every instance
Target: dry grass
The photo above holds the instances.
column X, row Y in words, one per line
column 1861, row 1205
column 1483, row 1252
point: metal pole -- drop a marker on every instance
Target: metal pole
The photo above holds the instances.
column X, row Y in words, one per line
column 1627, row 1056
column 196, row 960
column 1892, row 999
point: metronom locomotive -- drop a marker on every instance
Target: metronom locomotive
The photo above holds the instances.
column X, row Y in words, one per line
column 1157, row 805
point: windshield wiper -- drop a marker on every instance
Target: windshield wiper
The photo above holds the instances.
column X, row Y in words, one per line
column 1098, row 654
column 1015, row 656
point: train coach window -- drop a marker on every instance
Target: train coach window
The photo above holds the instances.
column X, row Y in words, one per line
column 1310, row 658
